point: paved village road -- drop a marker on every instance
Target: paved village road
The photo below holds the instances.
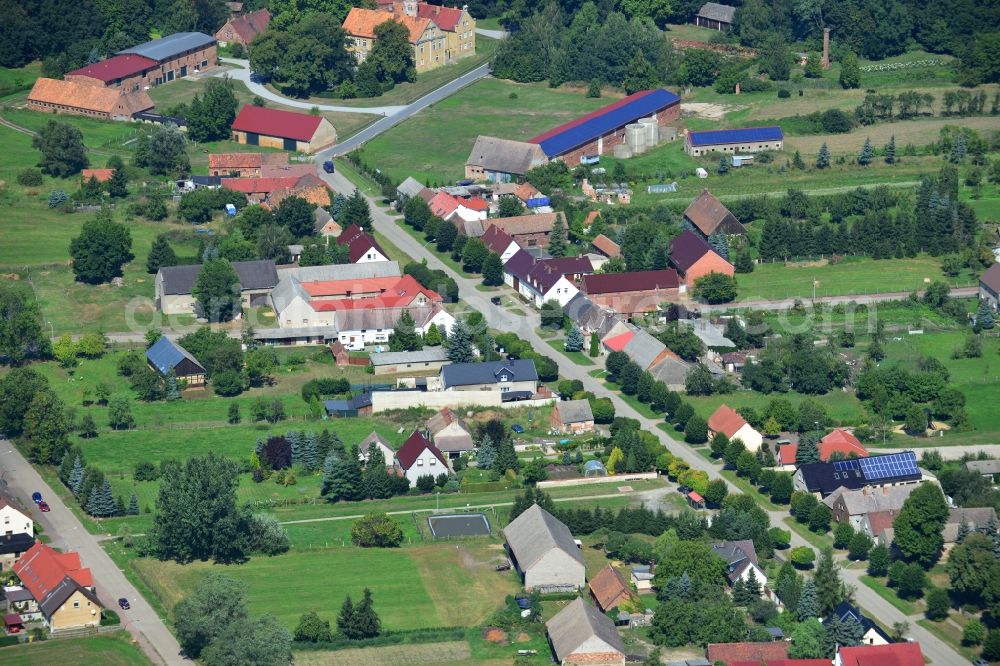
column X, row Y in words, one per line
column 66, row 532
column 525, row 327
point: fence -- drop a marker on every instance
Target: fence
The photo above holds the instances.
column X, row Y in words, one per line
column 640, row 476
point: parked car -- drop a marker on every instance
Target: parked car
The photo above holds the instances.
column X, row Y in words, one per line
column 522, row 602
column 123, row 603
column 503, row 566
column 36, row 497
column 518, row 428
column 43, row 507
column 328, row 166
column 495, row 300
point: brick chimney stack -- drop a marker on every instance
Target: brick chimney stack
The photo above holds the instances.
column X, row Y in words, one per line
column 826, row 48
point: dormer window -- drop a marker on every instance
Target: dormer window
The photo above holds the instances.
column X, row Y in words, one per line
column 504, row 377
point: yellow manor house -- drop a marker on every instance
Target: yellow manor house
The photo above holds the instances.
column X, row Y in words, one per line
column 439, row 35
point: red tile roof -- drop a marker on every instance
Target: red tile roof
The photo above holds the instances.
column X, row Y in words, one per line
column 362, row 23
column 838, row 441
column 894, row 654
column 413, row 447
column 445, row 18
column 102, row 175
column 475, row 203
column 400, row 294
column 609, row 588
column 274, row 122
column 731, row 653
column 881, row 520
column 116, row 67
column 495, row 239
column 783, row 662
column 726, row 420
column 265, row 185
column 620, row 341
column 695, row 497
column 41, row 569
column 611, row 283
column 342, row 288
column 606, row 246
column 443, row 204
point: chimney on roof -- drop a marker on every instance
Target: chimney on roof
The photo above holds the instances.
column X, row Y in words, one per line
column 826, row 49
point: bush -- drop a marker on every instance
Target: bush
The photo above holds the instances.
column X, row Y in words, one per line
column 146, row 471
column 784, row 93
column 376, row 530
column 109, row 618
column 29, row 177
column 803, row 557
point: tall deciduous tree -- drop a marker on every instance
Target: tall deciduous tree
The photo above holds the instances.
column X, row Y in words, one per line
column 61, row 145
column 216, row 602
column 46, row 426
column 297, row 215
column 101, row 249
column 21, row 335
column 492, row 269
column 918, row 527
column 850, row 72
column 392, row 55
column 217, row 291
column 210, row 115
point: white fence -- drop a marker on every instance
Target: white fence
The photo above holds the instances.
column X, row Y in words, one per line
column 385, row 400
column 617, row 478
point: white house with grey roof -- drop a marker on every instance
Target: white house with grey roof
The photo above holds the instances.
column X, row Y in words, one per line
column 376, row 441
column 544, row 552
column 174, row 285
column 581, row 634
column 514, row 376
column 423, row 362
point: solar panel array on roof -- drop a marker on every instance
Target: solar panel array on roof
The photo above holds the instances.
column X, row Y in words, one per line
column 845, row 465
column 642, row 104
column 165, row 355
column 892, row 465
column 743, row 135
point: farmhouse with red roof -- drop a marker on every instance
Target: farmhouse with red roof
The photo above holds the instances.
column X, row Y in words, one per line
column 274, row 128
column 839, row 441
column 600, row 131
column 62, row 589
column 728, row 421
column 632, row 293
column 127, row 71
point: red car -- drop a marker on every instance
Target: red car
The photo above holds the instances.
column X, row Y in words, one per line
column 43, row 507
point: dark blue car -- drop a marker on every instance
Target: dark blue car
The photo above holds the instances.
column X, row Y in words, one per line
column 518, row 428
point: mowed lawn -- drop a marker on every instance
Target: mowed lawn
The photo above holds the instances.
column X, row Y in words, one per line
column 850, row 276
column 434, row 144
column 844, row 408
column 107, row 650
column 434, row 585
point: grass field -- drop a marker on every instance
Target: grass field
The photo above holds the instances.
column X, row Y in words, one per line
column 434, row 144
column 849, row 276
column 434, row 585
column 107, row 650
column 14, row 80
column 841, row 407
column 915, row 132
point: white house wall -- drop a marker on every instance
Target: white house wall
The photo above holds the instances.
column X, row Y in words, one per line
column 13, row 521
column 555, row 568
column 425, row 464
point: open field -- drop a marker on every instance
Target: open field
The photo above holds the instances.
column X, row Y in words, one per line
column 434, row 144
column 19, row 78
column 841, row 407
column 916, row 132
column 391, row 655
column 405, row 93
column 850, row 276
column 408, row 585
column 106, row 649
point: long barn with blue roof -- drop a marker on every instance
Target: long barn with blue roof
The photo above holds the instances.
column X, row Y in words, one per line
column 600, row 131
column 742, row 140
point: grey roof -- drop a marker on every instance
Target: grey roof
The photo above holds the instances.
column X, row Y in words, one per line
column 431, row 355
column 534, row 533
column 294, row 332
column 505, row 155
column 845, row 610
column 643, row 348
column 166, row 355
column 464, row 374
column 974, row 519
column 716, row 12
column 63, row 591
column 410, row 187
column 18, row 594
column 322, row 216
column 373, row 438
column 672, row 371
column 586, row 314
column 708, row 332
column 887, row 498
column 579, row 622
column 991, row 278
column 253, row 275
column 574, row 411
column 332, row 272
column 983, row 466
column 383, row 318
column 15, row 543
column 167, row 47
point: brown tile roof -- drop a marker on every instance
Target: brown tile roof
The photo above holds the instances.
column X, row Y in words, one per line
column 613, row 283
column 609, row 588
column 362, row 23
column 249, row 25
column 526, row 191
column 496, row 240
column 687, row 248
column 317, row 195
column 729, row 653
column 234, row 160
column 606, row 246
column 991, row 278
column 526, row 224
column 707, row 213
column 88, row 97
column 726, row 420
column 254, row 185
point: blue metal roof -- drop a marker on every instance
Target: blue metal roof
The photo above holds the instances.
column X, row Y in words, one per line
column 746, row 134
column 564, row 138
column 165, row 355
column 170, row 46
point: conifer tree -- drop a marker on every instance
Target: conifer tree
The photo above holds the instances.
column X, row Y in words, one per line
column 720, row 244
column 574, row 341
column 76, row 476
column 808, row 449
column 101, row 503
column 797, row 162
column 295, row 442
column 823, row 159
column 557, row 240
column 486, row 454
column 595, row 345
column 234, row 413
column 866, row 154
column 506, row 458
column 984, row 316
column 433, row 336
column 808, row 603
column 460, row 343
column 723, row 168
column 309, row 459
column 829, row 588
column 366, row 621
column 958, row 149
column 133, row 505
column 345, row 620
column 343, row 482
column 890, row 150
column 160, row 255
column 172, row 391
